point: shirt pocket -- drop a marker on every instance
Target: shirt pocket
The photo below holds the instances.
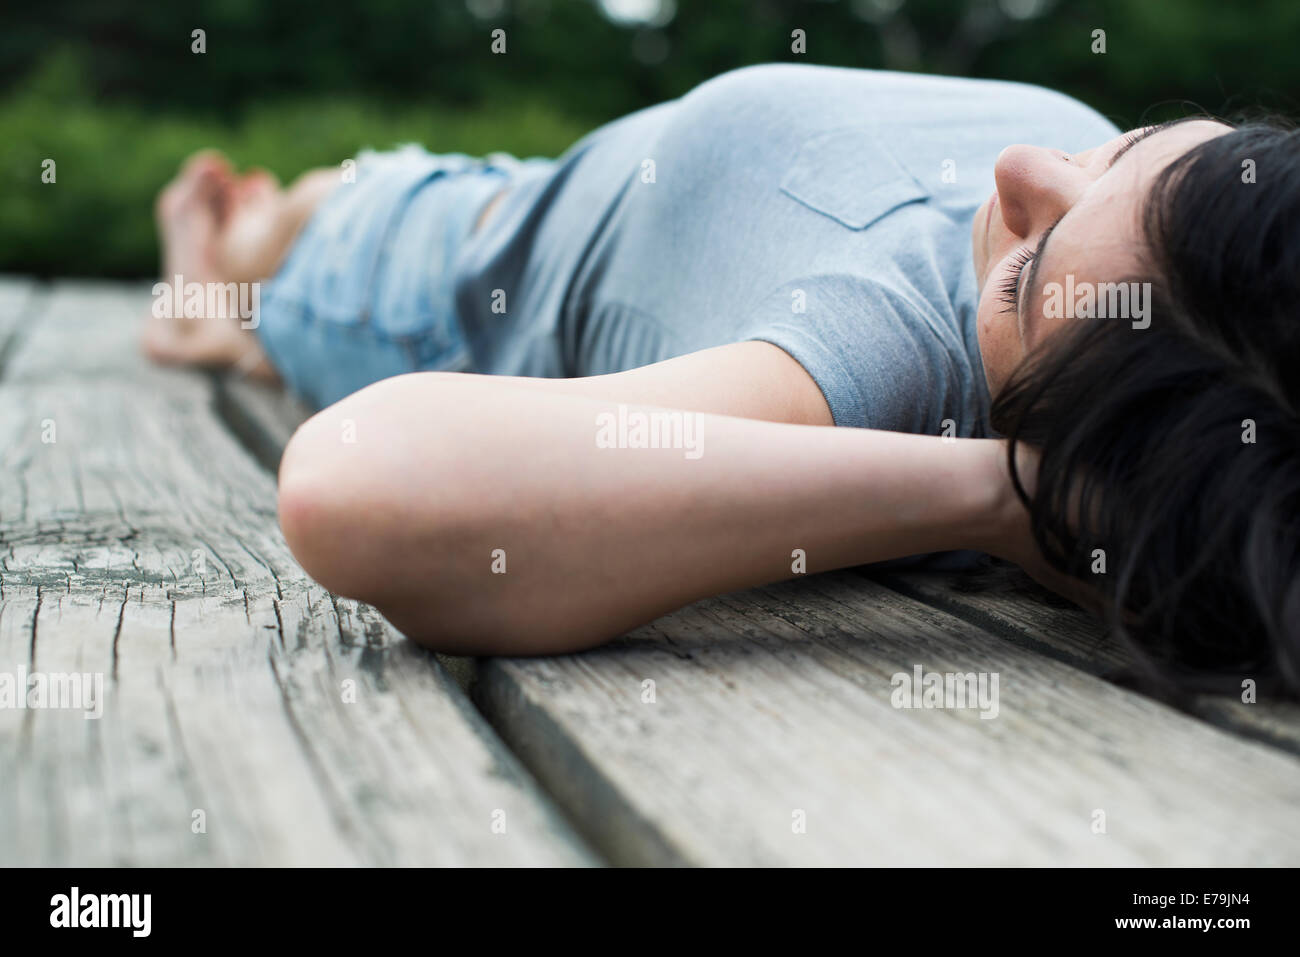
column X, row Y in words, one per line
column 847, row 175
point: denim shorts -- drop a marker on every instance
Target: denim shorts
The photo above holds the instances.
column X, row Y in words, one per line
column 366, row 291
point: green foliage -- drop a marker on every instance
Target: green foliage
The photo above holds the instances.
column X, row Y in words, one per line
column 111, row 160
column 112, row 92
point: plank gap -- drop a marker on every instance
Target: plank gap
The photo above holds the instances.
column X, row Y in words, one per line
column 1214, row 710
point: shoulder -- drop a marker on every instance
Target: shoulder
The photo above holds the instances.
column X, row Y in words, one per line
column 821, row 96
column 1041, row 101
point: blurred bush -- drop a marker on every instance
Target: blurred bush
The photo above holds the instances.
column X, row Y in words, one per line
column 111, row 159
column 112, row 92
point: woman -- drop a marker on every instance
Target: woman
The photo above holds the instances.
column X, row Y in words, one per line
column 784, row 248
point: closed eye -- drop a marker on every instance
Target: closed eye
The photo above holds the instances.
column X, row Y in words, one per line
column 1134, row 137
column 1009, row 286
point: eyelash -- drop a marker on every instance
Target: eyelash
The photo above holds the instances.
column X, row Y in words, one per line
column 1131, row 138
column 1134, row 137
column 1009, row 287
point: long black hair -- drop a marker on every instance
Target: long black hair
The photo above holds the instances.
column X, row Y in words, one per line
column 1169, row 476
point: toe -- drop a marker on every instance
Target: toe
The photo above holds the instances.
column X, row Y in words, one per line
column 204, row 166
column 206, row 161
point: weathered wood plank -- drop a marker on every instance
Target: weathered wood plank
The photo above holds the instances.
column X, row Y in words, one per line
column 1078, row 639
column 139, row 541
column 19, row 300
column 778, row 701
column 15, row 292
column 87, row 329
column 263, row 416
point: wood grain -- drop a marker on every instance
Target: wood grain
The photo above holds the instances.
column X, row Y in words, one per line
column 1072, row 636
column 139, row 541
column 778, row 701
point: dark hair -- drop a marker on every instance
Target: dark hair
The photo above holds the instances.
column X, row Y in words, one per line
column 1176, row 448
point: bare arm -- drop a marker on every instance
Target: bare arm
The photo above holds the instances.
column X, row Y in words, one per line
column 753, row 380
column 482, row 515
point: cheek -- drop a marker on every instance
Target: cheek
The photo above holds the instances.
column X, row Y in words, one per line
column 1000, row 347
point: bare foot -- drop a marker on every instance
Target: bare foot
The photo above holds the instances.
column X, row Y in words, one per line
column 192, row 212
column 219, row 344
column 217, row 226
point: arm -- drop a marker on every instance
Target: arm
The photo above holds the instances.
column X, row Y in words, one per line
column 445, row 469
column 753, row 380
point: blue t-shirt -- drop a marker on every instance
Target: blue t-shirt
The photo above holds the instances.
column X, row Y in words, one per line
column 825, row 210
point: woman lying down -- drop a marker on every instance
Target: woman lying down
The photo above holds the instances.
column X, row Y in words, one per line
column 561, row 398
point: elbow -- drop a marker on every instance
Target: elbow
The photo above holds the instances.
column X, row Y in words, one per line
column 353, row 500
column 321, row 510
column 376, row 510
column 387, row 498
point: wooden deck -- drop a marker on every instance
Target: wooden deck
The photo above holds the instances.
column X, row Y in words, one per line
column 250, row 717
